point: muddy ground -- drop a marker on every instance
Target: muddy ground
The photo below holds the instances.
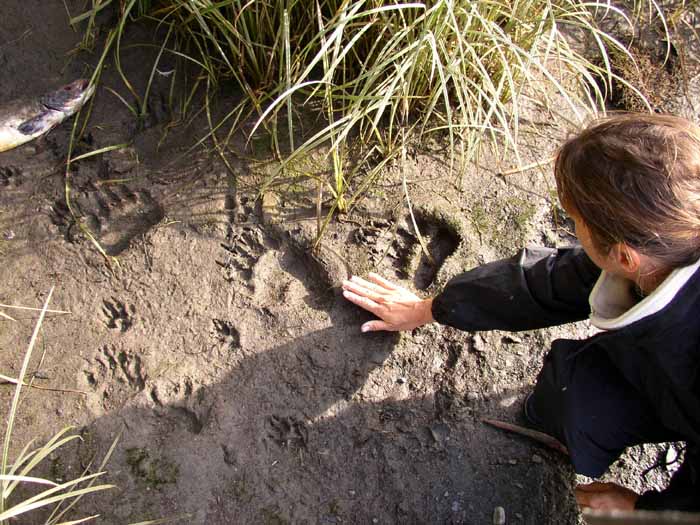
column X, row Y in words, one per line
column 219, row 349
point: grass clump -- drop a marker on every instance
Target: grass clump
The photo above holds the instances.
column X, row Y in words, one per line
column 384, row 72
column 12, row 474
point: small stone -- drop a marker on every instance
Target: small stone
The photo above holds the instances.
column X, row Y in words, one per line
column 375, row 520
column 513, row 461
column 9, row 235
column 499, row 516
column 473, row 396
column 536, row 458
column 455, row 506
column 446, row 494
column 508, row 401
column 270, row 207
column 479, row 344
column 352, row 493
column 671, row 457
column 518, row 516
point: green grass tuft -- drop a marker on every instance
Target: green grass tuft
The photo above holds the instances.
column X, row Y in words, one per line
column 385, row 72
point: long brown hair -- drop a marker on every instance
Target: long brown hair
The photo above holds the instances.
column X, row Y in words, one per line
column 635, row 179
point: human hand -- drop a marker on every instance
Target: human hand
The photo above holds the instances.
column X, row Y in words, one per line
column 396, row 307
column 605, row 496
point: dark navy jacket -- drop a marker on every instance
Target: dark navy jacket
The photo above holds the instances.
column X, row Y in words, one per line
column 659, row 355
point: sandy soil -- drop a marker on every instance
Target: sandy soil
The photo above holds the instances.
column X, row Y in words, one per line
column 219, row 349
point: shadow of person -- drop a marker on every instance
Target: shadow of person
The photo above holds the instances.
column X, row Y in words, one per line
column 313, row 431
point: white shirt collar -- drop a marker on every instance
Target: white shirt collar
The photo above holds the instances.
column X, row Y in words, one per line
column 613, row 303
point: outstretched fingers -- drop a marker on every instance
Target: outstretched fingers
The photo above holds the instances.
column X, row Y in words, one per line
column 364, row 291
column 363, row 302
column 385, row 283
column 359, row 281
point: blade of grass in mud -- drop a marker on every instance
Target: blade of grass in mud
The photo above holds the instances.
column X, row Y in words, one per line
column 56, row 515
column 82, row 520
column 89, row 14
column 16, row 307
column 144, row 108
column 163, row 520
column 15, row 400
column 4, row 494
column 34, row 459
column 100, row 151
column 46, row 498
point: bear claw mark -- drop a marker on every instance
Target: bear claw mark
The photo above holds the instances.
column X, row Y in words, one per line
column 442, row 241
column 244, row 249
column 404, row 254
column 226, row 334
column 114, row 215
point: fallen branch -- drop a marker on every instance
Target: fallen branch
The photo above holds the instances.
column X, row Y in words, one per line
column 541, row 437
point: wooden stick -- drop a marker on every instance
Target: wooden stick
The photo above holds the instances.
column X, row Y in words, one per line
column 541, row 437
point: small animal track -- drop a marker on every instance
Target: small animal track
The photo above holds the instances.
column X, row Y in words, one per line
column 226, row 334
column 117, row 315
column 10, row 177
column 287, row 432
column 115, row 215
column 116, row 374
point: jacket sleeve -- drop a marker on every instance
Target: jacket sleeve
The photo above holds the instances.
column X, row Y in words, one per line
column 683, row 493
column 538, row 287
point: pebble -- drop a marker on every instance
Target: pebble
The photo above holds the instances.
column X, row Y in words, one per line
column 513, row 461
column 375, row 520
column 9, row 235
column 270, row 207
column 455, row 506
column 671, row 457
column 536, row 458
column 499, row 516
